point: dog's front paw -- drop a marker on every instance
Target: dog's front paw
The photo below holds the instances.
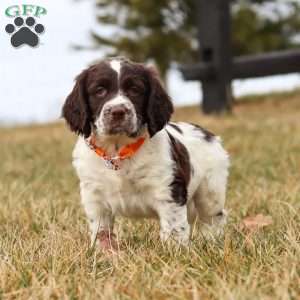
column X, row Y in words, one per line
column 179, row 236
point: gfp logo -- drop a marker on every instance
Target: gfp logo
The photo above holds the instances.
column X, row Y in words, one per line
column 25, row 30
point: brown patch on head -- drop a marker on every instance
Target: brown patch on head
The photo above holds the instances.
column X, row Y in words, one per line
column 101, row 83
column 93, row 87
column 152, row 103
column 208, row 136
column 135, row 86
column 182, row 171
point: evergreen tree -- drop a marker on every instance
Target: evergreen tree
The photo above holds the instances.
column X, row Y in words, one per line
column 165, row 32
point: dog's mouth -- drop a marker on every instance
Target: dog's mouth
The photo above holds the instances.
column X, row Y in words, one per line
column 118, row 129
column 124, row 127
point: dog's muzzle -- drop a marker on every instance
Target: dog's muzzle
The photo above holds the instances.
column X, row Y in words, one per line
column 119, row 119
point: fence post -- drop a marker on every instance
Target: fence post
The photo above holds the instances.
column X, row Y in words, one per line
column 215, row 47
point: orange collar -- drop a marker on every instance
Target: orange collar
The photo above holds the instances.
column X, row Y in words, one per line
column 125, row 152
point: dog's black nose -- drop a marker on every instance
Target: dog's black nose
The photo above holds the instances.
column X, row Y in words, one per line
column 118, row 112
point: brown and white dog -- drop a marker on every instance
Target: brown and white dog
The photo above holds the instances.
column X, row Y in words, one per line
column 132, row 162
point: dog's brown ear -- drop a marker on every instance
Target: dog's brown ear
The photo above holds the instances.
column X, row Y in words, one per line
column 76, row 110
column 160, row 107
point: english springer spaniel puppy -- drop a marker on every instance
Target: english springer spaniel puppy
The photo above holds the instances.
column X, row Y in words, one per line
column 133, row 162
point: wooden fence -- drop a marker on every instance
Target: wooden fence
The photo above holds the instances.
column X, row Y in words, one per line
column 217, row 67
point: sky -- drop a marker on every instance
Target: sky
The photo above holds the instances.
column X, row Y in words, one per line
column 34, row 82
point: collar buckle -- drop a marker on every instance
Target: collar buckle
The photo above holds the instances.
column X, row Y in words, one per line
column 113, row 163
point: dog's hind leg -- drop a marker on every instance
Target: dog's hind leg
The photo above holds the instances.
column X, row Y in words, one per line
column 209, row 202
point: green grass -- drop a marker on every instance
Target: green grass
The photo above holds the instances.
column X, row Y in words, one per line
column 44, row 243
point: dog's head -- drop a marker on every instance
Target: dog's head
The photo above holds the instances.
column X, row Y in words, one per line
column 117, row 96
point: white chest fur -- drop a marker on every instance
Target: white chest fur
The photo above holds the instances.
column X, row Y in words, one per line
column 133, row 191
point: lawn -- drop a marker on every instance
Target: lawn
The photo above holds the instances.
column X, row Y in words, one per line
column 44, row 243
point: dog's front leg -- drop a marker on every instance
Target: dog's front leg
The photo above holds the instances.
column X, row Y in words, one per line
column 100, row 217
column 174, row 223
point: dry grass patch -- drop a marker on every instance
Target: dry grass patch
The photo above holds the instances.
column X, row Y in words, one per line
column 44, row 251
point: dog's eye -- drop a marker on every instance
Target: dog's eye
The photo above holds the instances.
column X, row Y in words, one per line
column 101, row 91
column 134, row 90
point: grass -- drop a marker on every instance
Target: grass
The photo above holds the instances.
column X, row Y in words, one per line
column 44, row 252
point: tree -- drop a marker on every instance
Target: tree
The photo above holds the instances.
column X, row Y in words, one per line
column 164, row 31
column 264, row 25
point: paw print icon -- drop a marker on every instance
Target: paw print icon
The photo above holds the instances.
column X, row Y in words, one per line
column 24, row 32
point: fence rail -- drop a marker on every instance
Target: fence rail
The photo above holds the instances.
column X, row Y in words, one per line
column 217, row 67
column 273, row 63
